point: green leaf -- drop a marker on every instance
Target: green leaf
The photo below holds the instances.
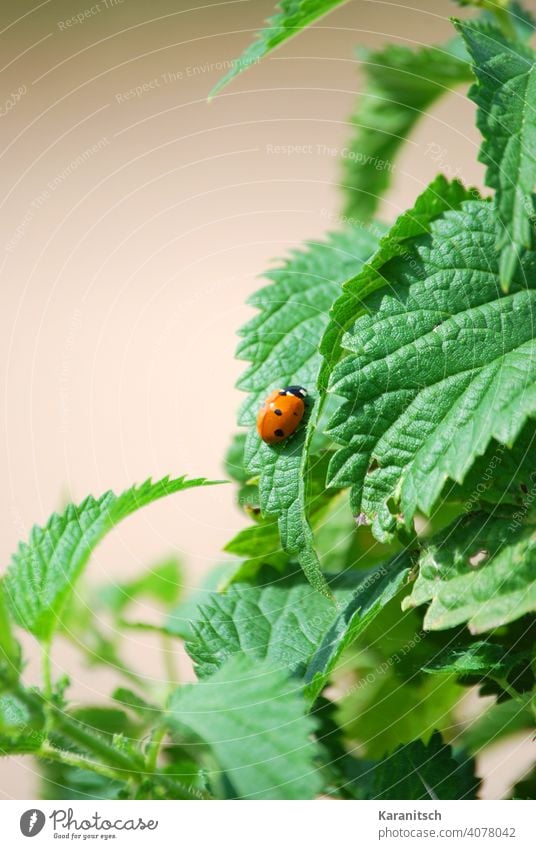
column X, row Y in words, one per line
column 420, row 772
column 59, row 781
column 235, row 468
column 21, row 744
column 439, row 197
column 499, row 721
column 377, row 587
column 135, row 703
column 259, row 544
column 10, row 651
column 291, row 17
column 281, row 343
column 481, row 571
column 44, row 570
column 526, row 787
column 279, row 619
column 523, row 21
column 505, row 94
column 107, row 720
column 162, row 582
column 100, row 725
column 252, row 716
column 21, row 727
column 384, row 709
column 478, row 658
column 180, row 619
column 510, row 15
column 440, row 362
column 400, row 86
column 500, row 475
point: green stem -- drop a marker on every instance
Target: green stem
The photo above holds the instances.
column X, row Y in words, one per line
column 79, row 761
column 153, row 749
column 169, row 664
column 503, row 683
column 97, row 744
column 46, row 671
column 72, row 759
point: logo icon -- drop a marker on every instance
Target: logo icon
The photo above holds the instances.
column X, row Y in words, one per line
column 32, row 822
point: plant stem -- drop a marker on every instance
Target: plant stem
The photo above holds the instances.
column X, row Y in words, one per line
column 153, row 749
column 169, row 665
column 48, row 693
column 46, row 671
column 125, row 766
column 517, row 697
column 80, row 761
column 97, row 744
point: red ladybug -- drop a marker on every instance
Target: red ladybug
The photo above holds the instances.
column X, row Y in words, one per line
column 281, row 414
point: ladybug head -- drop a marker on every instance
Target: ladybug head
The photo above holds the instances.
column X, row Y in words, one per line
column 298, row 391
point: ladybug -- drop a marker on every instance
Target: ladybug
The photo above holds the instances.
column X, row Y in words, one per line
column 281, row 414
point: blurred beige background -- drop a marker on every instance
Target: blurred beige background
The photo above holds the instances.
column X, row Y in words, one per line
column 133, row 227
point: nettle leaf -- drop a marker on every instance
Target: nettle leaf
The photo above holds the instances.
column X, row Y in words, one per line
column 281, row 619
column 439, row 197
column 20, row 744
column 522, row 20
column 420, row 772
column 479, row 658
column 135, row 703
column 106, row 720
column 260, row 543
column 248, row 491
column 400, row 86
column 440, row 362
column 10, row 651
column 510, row 12
column 377, row 587
column 385, row 710
column 500, row 475
column 498, row 721
column 505, row 94
column 21, row 728
column 44, row 570
column 180, row 619
column 481, row 571
column 526, row 787
column 291, row 17
column 281, row 343
column 102, row 724
column 59, row 781
column 162, row 582
column 252, row 716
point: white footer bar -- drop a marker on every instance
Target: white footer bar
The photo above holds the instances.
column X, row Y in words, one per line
column 269, row 825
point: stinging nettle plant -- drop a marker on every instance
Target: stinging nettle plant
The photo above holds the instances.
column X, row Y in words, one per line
column 391, row 545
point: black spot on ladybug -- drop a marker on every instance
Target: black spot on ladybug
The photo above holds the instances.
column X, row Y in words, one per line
column 279, row 432
column 278, row 412
column 282, row 391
